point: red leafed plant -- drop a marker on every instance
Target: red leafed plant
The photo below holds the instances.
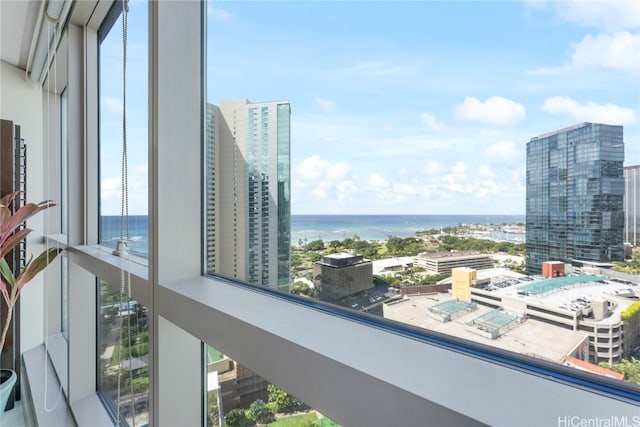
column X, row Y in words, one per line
column 10, row 235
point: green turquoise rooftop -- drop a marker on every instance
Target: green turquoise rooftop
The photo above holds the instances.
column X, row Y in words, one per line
column 545, row 286
column 449, row 307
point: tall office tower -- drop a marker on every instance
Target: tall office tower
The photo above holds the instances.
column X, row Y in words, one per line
column 575, row 187
column 632, row 205
column 248, row 191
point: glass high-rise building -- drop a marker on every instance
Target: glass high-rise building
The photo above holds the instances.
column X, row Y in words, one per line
column 632, row 205
column 248, row 191
column 575, row 189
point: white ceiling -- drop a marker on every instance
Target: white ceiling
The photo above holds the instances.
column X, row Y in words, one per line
column 18, row 20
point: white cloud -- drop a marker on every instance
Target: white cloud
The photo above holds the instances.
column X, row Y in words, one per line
column 610, row 15
column 433, row 168
column 620, row 51
column 378, row 182
column 314, row 167
column 485, row 171
column 403, row 190
column 110, row 188
column 590, row 111
column 319, row 175
column 402, row 172
column 346, row 189
column 503, row 150
column 112, row 105
column 454, row 180
column 430, row 120
column 219, row 15
column 325, row 105
column 495, row 110
column 459, row 168
column 321, row 189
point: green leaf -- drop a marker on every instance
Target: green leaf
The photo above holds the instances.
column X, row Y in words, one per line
column 6, row 272
column 34, row 267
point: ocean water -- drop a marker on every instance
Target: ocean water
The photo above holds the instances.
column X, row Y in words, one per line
column 329, row 227
column 379, row 227
column 138, row 233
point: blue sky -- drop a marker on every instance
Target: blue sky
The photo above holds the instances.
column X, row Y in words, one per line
column 425, row 107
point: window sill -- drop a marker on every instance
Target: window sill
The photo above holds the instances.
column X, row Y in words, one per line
column 49, row 403
column 99, row 261
column 58, row 354
column 384, row 378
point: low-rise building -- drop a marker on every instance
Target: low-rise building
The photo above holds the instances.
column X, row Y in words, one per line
column 592, row 306
column 342, row 274
column 444, row 262
column 585, row 303
column 441, row 313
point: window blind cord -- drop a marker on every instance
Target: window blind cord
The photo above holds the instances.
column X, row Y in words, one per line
column 47, row 215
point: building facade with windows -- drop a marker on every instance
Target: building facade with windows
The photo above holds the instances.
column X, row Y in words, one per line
column 575, row 189
column 342, row 274
column 444, row 262
column 248, row 191
column 632, row 205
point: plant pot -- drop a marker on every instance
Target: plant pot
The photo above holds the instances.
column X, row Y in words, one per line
column 7, row 381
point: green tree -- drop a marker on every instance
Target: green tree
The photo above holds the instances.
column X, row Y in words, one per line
column 213, row 413
column 631, row 266
column 335, row 243
column 316, row 245
column 630, row 369
column 258, row 411
column 301, row 288
column 283, row 401
column 315, row 256
column 235, row 418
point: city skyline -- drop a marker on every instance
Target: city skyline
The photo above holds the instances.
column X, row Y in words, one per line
column 419, row 107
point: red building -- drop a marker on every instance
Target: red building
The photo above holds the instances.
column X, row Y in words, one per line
column 552, row 269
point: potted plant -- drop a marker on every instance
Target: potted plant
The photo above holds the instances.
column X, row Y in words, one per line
column 11, row 284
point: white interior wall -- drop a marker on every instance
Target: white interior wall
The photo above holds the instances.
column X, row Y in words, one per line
column 21, row 101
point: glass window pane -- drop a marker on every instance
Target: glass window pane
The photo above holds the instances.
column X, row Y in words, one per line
column 64, row 283
column 63, row 161
column 396, row 178
column 123, row 347
column 111, row 127
column 237, row 396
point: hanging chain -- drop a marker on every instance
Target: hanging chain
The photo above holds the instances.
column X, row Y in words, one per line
column 124, row 207
column 125, row 275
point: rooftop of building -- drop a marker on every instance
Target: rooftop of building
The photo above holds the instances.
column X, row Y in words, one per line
column 383, row 264
column 453, row 255
column 464, row 269
column 343, row 259
column 532, row 337
column 494, row 275
column 569, row 128
column 590, row 367
column 341, row 255
column 574, row 292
